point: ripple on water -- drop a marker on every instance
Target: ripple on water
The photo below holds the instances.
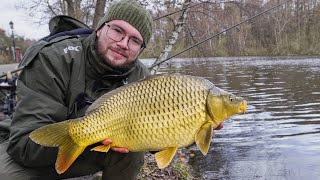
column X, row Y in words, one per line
column 278, row 137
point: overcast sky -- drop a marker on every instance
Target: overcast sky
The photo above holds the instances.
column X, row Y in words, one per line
column 23, row 25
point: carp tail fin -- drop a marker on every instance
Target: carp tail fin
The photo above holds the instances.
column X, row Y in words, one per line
column 57, row 135
column 68, row 153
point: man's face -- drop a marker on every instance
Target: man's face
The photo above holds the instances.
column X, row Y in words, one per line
column 117, row 54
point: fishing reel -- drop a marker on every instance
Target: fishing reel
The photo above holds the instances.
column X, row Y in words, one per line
column 8, row 86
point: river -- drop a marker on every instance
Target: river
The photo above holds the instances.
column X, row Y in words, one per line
column 279, row 136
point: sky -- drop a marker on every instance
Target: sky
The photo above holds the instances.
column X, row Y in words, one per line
column 23, row 24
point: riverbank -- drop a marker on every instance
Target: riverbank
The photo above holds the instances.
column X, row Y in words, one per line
column 179, row 168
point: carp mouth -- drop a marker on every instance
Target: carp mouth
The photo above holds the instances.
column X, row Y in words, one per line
column 243, row 107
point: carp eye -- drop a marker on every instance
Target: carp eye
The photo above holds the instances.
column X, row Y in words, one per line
column 230, row 98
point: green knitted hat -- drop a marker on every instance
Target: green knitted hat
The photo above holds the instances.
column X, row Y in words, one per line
column 133, row 13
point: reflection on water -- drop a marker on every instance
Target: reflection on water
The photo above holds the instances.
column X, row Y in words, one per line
column 279, row 136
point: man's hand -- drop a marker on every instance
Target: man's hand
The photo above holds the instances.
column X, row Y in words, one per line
column 220, row 126
column 120, row 150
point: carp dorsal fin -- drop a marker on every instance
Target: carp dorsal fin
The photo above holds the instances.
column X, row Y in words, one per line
column 105, row 97
column 203, row 137
column 164, row 157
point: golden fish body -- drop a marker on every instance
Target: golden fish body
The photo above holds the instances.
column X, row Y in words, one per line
column 160, row 113
column 157, row 113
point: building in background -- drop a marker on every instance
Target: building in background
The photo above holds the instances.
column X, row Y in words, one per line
column 6, row 55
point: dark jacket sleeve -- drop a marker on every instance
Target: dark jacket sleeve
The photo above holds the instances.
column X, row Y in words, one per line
column 40, row 91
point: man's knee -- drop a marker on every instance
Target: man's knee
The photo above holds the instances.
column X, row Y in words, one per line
column 124, row 166
column 8, row 168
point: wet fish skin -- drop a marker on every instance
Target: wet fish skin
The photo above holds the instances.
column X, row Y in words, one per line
column 161, row 113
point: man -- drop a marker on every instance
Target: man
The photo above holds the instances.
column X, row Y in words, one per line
column 60, row 82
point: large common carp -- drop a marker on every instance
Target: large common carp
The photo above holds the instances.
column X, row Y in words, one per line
column 160, row 113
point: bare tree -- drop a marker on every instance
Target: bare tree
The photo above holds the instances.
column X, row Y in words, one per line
column 292, row 29
column 98, row 12
column 46, row 9
column 172, row 40
column 71, row 8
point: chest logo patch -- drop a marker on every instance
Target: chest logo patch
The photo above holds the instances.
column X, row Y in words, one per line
column 71, row 48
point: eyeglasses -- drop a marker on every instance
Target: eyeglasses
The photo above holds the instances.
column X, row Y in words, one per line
column 117, row 34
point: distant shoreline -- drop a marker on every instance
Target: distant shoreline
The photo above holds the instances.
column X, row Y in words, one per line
column 148, row 61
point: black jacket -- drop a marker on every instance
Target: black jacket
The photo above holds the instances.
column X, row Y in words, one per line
column 56, row 85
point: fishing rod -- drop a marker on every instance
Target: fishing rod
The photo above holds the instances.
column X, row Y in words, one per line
column 217, row 34
column 252, row 17
column 11, row 72
column 154, row 19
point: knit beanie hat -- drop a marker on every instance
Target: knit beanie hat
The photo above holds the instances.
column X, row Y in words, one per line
column 133, row 13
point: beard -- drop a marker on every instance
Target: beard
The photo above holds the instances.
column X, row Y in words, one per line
column 101, row 55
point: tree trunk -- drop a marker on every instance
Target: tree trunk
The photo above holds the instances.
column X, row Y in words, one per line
column 71, row 8
column 98, row 12
column 173, row 39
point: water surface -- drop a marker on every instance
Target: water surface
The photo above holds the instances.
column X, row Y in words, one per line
column 279, row 136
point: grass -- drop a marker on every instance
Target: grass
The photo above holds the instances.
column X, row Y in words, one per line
column 178, row 169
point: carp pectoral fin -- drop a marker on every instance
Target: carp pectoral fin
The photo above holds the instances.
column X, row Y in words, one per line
column 163, row 158
column 203, row 137
column 68, row 153
column 101, row 148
